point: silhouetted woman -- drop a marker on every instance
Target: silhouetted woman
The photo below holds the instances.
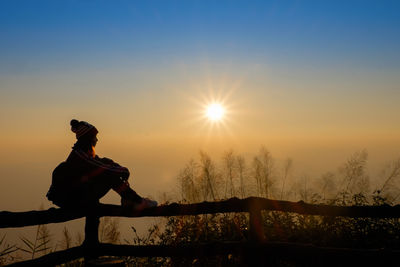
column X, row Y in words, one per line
column 84, row 177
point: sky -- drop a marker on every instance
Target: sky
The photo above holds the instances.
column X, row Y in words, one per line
column 311, row 80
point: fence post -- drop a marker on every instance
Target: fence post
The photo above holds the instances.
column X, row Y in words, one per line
column 91, row 237
column 256, row 223
column 253, row 256
column 92, row 230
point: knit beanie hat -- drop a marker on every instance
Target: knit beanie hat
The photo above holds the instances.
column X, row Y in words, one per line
column 82, row 128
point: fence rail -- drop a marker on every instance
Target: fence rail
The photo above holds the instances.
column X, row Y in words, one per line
column 301, row 253
column 252, row 205
column 57, row 215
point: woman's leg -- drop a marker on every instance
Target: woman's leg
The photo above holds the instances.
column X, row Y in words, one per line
column 99, row 186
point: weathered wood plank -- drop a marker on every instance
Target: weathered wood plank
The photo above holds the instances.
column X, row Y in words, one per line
column 20, row 219
column 306, row 253
column 54, row 258
column 28, row 218
column 300, row 253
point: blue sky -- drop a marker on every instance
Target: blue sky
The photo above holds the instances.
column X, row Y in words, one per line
column 64, row 35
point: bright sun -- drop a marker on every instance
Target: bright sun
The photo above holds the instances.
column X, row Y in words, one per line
column 215, row 112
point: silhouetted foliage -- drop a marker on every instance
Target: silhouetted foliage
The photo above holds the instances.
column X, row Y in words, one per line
column 39, row 244
column 350, row 185
column 6, row 251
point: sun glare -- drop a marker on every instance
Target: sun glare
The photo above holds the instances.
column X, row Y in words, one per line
column 215, row 112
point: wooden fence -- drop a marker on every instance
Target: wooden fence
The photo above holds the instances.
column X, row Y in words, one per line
column 257, row 244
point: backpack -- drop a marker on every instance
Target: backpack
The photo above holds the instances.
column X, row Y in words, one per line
column 58, row 190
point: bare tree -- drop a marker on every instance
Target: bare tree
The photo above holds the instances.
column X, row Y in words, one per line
column 390, row 186
column 187, row 180
column 391, row 173
column 354, row 171
column 241, row 168
column 327, row 185
column 263, row 171
column 229, row 171
column 287, row 168
column 304, row 188
column 208, row 177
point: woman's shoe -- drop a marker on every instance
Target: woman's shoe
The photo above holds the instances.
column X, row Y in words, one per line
column 141, row 205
